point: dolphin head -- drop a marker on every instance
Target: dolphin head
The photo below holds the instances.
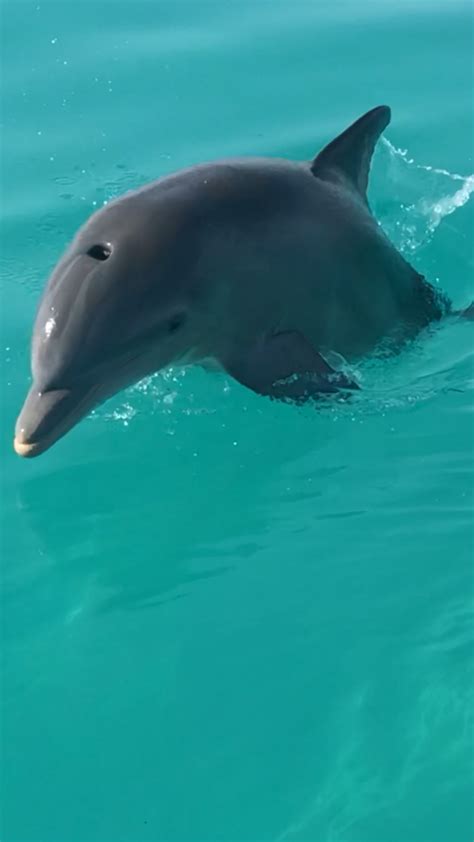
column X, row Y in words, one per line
column 116, row 308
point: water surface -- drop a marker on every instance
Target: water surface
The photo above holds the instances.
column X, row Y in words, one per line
column 225, row 619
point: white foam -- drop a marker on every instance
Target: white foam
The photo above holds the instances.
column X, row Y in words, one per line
column 417, row 197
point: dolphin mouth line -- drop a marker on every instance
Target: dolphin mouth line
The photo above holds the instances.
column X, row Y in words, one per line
column 29, row 449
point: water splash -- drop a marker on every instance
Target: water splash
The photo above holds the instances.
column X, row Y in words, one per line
column 164, row 393
column 416, row 197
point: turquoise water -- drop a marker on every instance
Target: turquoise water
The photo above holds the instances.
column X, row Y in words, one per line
column 227, row 619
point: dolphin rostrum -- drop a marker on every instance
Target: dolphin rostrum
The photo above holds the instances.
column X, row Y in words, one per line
column 261, row 266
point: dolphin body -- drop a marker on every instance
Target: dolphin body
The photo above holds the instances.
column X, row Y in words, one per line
column 262, row 267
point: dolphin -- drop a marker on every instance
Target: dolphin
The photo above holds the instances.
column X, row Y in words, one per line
column 265, row 268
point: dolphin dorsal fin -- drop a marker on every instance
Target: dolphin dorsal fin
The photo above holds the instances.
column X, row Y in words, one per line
column 348, row 156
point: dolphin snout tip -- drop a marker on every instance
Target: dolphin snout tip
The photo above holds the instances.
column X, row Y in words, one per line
column 25, row 448
column 47, row 415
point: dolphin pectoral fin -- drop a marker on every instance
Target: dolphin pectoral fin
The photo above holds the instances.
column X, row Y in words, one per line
column 286, row 366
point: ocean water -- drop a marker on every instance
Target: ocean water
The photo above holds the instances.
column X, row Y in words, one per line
column 224, row 618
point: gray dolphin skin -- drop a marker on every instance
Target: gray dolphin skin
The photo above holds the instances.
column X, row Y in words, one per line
column 260, row 266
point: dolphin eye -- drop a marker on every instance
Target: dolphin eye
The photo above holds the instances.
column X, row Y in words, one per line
column 100, row 251
column 175, row 322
